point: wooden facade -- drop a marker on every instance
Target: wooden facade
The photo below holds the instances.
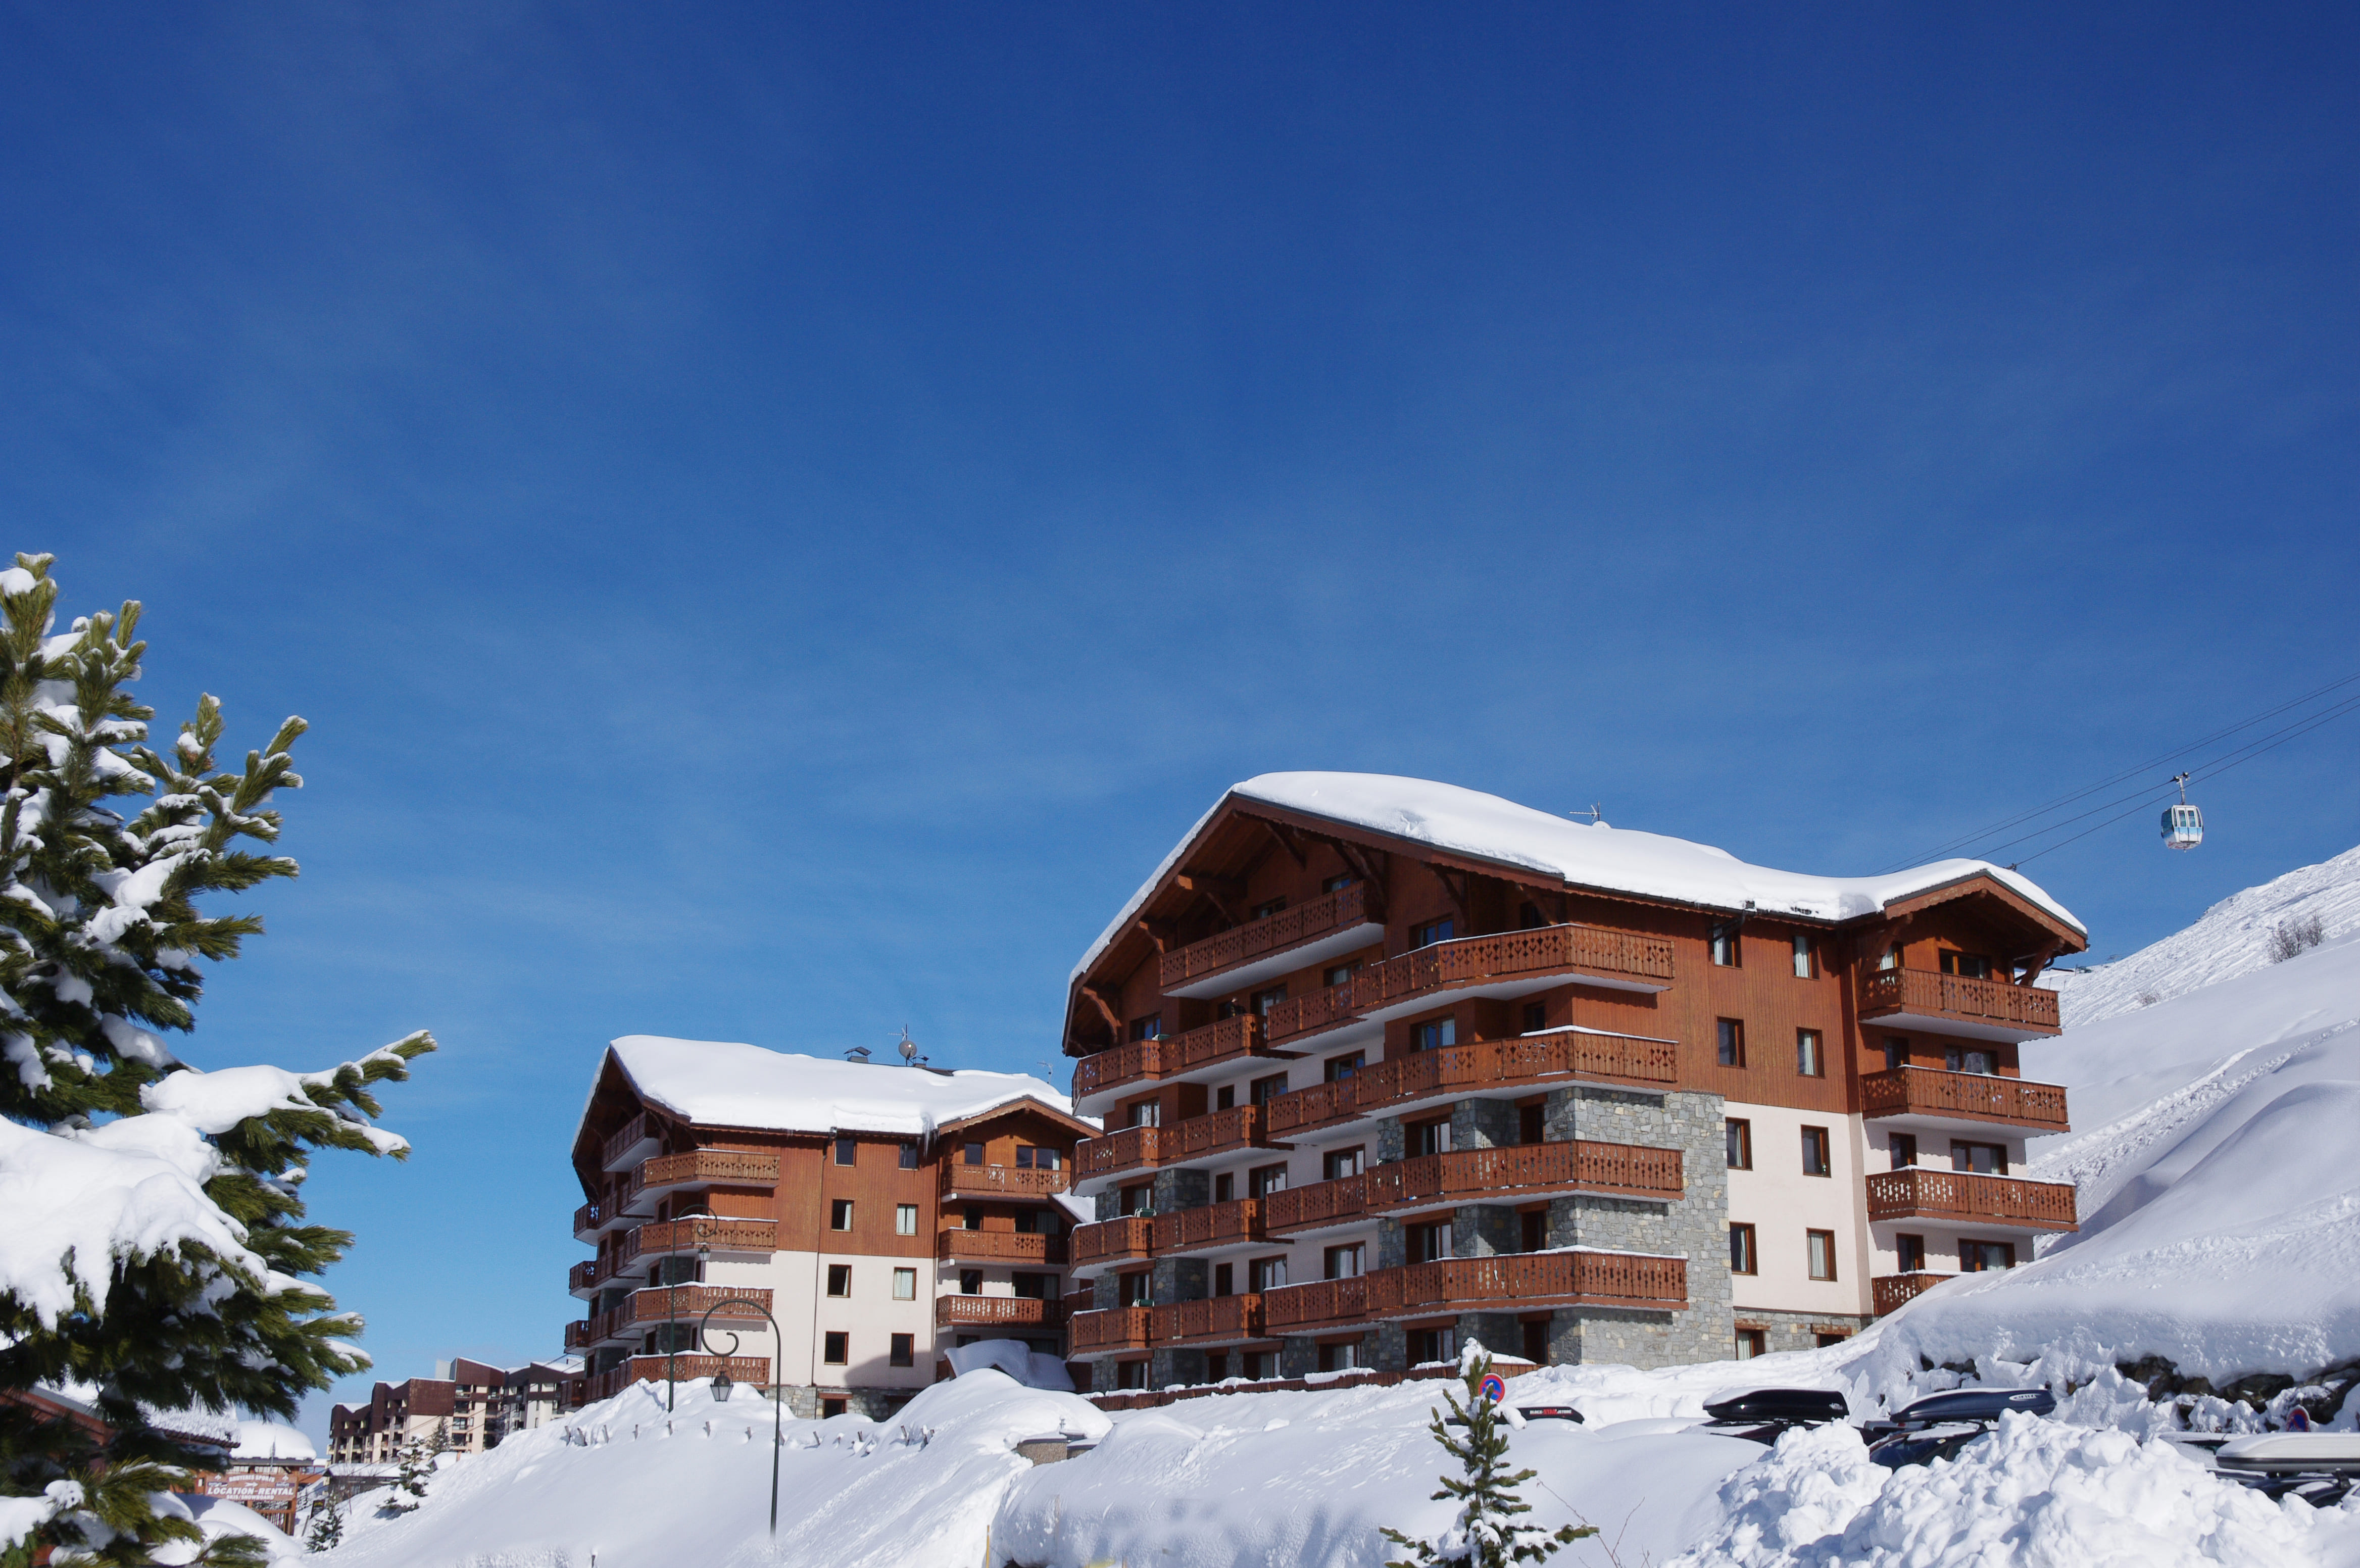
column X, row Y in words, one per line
column 1298, row 995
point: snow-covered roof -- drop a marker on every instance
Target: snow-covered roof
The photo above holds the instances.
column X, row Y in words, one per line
column 269, row 1440
column 1618, row 860
column 722, row 1084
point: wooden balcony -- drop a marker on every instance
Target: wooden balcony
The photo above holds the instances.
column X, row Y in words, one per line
column 754, row 1370
column 1223, row 1132
column 1887, row 1292
column 1964, row 1198
column 1000, row 1246
column 1933, row 1095
column 1319, row 1305
column 961, row 1180
column 1113, row 1328
column 1212, row 1228
column 577, row 1336
column 1527, row 1171
column 1537, row 1060
column 994, row 1313
column 1519, row 1281
column 1132, row 1148
column 1308, row 1014
column 667, row 1236
column 632, row 1142
column 1954, row 1004
column 1076, row 1301
column 1584, row 954
column 591, row 1219
column 700, row 1167
column 671, row 1304
column 1220, row 1319
column 1141, row 1061
column 1113, row 1241
column 1321, row 1206
column 1203, row 968
column 583, row 1277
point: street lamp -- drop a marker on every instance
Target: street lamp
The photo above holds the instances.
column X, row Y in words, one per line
column 722, row 1385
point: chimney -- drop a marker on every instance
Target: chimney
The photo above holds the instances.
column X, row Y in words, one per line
column 857, row 1054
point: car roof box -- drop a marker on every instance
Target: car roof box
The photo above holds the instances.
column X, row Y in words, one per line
column 1779, row 1405
column 1979, row 1405
column 2293, row 1452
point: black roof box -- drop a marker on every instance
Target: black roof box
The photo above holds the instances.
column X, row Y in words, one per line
column 1979, row 1405
column 1780, row 1404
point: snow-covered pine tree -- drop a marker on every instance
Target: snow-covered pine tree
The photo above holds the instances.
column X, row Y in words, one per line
column 155, row 1243
column 1485, row 1534
column 327, row 1530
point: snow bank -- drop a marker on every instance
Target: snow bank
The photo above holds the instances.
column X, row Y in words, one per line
column 2041, row 1494
column 218, row 1516
column 724, row 1084
column 1584, row 854
column 269, row 1440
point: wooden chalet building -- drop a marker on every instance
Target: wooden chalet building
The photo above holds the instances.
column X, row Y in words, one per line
column 1384, row 1063
column 881, row 1215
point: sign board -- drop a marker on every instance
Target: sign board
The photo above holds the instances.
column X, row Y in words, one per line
column 1494, row 1386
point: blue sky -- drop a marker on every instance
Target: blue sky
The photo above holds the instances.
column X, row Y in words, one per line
column 778, row 515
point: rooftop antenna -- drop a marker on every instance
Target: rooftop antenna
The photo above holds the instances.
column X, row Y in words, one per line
column 1595, row 813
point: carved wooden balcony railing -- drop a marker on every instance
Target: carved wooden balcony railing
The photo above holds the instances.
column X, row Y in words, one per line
column 703, row 1168
column 1236, row 1223
column 1615, row 1169
column 1113, row 1241
column 962, row 1180
column 1115, row 1328
column 1887, row 1292
column 685, row 1235
column 994, row 1312
column 749, row 1369
column 1426, row 1075
column 1222, row 1132
column 1219, row 1320
column 1310, row 1013
column 1316, row 1206
column 641, row 1128
column 1337, row 911
column 581, row 1276
column 2014, row 1202
column 1132, row 1148
column 1923, row 993
column 1965, row 1096
column 1000, row 1246
column 1515, row 1280
column 1141, row 1061
column 1149, row 1061
column 1321, row 1304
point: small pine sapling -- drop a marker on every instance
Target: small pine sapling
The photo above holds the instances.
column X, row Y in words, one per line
column 1485, row 1534
column 327, row 1531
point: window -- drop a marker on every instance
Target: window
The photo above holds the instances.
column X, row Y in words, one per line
column 1741, row 1250
column 904, row 1352
column 1725, row 950
column 1896, row 1051
column 1739, row 1137
column 1434, row 1034
column 1224, row 1279
column 839, row 1280
column 1337, row 1164
column 1905, row 1149
column 1422, row 1138
column 905, row 1219
column 1262, row 1091
column 1427, row 1346
column 1536, row 1017
column 1146, row 1113
column 1531, row 1225
column 1732, row 1041
column 828, row 1407
column 846, row 1150
column 1265, row 1274
column 1030, row 1156
column 1975, row 966
column 971, row 1218
column 1217, row 1367
column 1959, row 1060
column 1130, row 1375
column 971, row 1281
column 975, row 1154
column 1529, row 918
column 1977, row 1257
column 1891, row 958
column 836, row 1348
column 1225, row 1098
column 1804, row 966
column 909, row 1157
column 1815, row 1152
column 1135, row 1289
column 1427, row 1243
column 1263, row 910
column 905, row 1284
column 1751, row 1343
column 839, row 1214
column 1983, row 1159
column 1910, row 1254
column 1338, row 1068
column 1264, row 1179
column 1139, row 1199
column 1532, row 1124
column 1341, row 1357
column 1808, row 1059
column 1030, row 1287
column 1148, row 1028
column 1822, row 1338
column 1432, row 931
column 1337, row 884
column 1820, row 1248
column 1334, row 975
column 1266, row 999
column 1225, row 1187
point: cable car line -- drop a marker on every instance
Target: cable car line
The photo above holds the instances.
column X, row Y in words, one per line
column 1980, row 834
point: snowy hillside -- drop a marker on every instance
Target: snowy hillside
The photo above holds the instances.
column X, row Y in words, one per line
column 2234, row 937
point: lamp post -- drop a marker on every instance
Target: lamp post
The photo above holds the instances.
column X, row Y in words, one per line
column 722, row 1385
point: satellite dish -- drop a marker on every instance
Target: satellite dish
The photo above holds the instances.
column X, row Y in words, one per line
column 908, row 1047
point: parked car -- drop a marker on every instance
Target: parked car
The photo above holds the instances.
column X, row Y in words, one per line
column 1761, row 1414
column 2317, row 1466
column 1940, row 1425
